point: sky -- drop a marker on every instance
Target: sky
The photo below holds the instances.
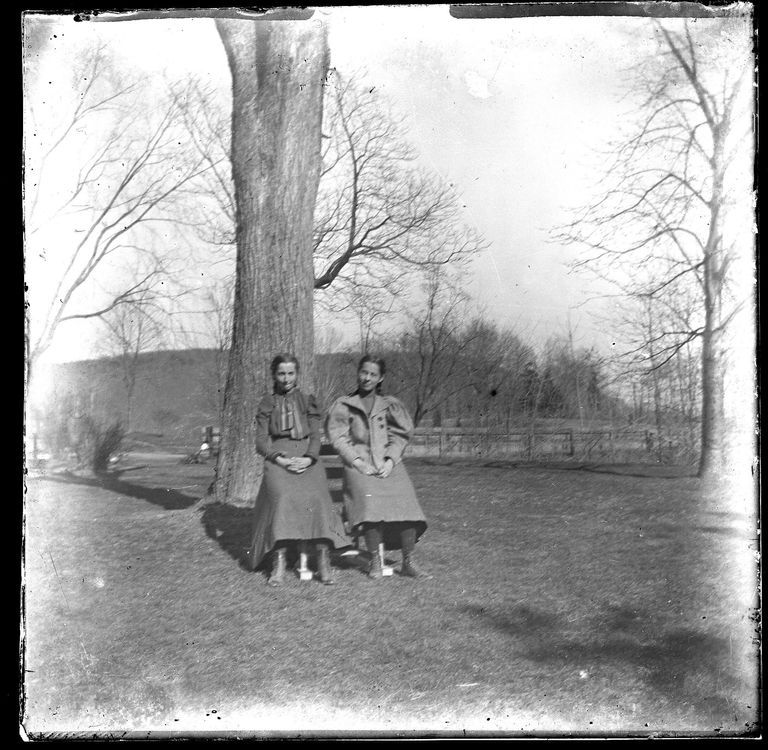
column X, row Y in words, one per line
column 510, row 111
column 513, row 112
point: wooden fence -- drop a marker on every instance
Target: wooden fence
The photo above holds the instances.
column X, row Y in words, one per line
column 605, row 444
column 609, row 445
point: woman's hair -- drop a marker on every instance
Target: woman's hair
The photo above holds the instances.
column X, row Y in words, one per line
column 282, row 359
column 378, row 361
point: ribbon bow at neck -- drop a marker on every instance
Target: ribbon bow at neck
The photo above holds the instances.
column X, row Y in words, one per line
column 289, row 418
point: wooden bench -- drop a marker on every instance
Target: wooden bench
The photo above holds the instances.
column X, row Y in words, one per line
column 334, row 469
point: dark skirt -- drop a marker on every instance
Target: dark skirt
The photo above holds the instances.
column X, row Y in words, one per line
column 371, row 499
column 291, row 507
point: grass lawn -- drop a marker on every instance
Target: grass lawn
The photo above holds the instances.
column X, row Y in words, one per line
column 561, row 600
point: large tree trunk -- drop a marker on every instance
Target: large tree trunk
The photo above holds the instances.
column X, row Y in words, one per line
column 278, row 71
column 714, row 432
column 712, row 461
column 714, row 429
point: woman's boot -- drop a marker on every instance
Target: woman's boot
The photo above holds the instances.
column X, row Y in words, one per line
column 324, row 564
column 278, row 567
column 376, row 568
column 408, row 568
column 408, row 542
column 305, row 574
column 373, row 538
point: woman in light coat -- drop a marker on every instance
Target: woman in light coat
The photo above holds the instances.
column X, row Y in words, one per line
column 370, row 432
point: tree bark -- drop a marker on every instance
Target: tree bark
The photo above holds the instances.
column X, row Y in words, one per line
column 714, row 433
column 278, row 73
column 714, row 430
column 713, row 426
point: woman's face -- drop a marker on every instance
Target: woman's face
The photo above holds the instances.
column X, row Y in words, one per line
column 368, row 377
column 286, row 376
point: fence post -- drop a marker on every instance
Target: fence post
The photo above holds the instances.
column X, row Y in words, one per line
column 570, row 443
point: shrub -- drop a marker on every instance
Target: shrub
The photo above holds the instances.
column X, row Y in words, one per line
column 107, row 442
column 96, row 442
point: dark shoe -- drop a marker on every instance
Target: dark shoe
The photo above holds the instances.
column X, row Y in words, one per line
column 324, row 564
column 278, row 567
column 409, row 569
column 375, row 569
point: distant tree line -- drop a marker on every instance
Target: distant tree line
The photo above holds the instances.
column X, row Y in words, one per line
column 485, row 376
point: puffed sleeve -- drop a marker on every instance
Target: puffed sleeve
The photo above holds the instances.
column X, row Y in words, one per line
column 263, row 415
column 314, row 416
column 399, row 429
column 337, row 431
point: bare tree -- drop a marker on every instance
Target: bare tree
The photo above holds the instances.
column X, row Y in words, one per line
column 101, row 178
column 333, row 363
column 369, row 305
column 376, row 209
column 433, row 345
column 205, row 118
column 278, row 73
column 131, row 329
column 494, row 361
column 669, row 222
column 379, row 217
column 572, row 375
column 672, row 386
column 218, row 322
column 530, row 399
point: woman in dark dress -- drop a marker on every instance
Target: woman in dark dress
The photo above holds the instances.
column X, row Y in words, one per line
column 294, row 506
column 370, row 433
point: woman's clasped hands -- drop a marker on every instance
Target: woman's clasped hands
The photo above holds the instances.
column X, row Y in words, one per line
column 366, row 467
column 296, row 465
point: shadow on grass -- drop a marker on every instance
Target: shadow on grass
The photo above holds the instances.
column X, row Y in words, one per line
column 231, row 527
column 671, row 664
column 520, row 621
column 167, row 498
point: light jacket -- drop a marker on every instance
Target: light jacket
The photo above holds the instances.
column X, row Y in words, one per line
column 382, row 434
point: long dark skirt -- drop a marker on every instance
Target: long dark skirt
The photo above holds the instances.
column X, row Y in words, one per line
column 371, row 499
column 292, row 507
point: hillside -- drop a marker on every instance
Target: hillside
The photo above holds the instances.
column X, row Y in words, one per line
column 177, row 392
column 175, row 396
